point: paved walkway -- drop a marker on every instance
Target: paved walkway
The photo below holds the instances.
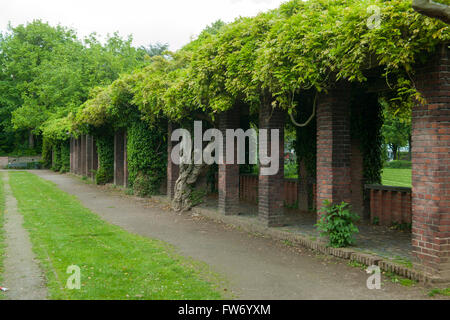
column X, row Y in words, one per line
column 256, row 267
column 22, row 275
column 379, row 240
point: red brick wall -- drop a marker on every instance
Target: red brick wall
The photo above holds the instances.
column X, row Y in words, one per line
column 390, row 205
column 248, row 189
column 173, row 170
column 431, row 166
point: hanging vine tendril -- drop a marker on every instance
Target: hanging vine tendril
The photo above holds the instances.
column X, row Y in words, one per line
column 309, row 119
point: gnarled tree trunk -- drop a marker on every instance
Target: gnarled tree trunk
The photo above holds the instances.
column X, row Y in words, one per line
column 189, row 173
column 183, row 186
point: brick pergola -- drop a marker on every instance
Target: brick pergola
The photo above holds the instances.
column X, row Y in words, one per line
column 339, row 162
column 338, row 166
column 83, row 156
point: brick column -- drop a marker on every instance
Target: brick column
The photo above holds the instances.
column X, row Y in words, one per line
column 431, row 167
column 271, row 187
column 89, row 156
column 75, row 156
column 83, row 168
column 228, row 177
column 79, row 156
column 173, row 170
column 71, row 155
column 119, row 173
column 334, row 146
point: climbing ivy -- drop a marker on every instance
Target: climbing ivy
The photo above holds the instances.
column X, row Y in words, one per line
column 47, row 153
column 146, row 157
column 56, row 149
column 65, row 156
column 105, row 149
column 366, row 121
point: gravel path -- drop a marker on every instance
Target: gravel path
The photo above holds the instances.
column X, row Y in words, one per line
column 255, row 267
column 22, row 275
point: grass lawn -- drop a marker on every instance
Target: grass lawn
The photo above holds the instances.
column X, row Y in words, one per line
column 114, row 263
column 2, row 239
column 396, row 177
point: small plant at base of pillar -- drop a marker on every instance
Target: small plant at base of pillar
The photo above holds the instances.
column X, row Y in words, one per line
column 337, row 223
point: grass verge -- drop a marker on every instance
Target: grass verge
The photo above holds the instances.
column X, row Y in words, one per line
column 114, row 263
column 444, row 292
column 2, row 233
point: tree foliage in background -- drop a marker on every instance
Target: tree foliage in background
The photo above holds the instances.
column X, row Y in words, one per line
column 396, row 129
column 47, row 72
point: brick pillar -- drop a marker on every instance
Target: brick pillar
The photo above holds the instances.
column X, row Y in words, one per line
column 271, row 187
column 334, row 146
column 431, row 167
column 89, row 156
column 173, row 170
column 228, row 177
column 79, row 156
column 83, row 155
column 119, row 152
column 71, row 154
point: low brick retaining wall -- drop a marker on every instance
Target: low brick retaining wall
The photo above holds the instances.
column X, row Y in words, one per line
column 248, row 189
column 4, row 161
column 390, row 205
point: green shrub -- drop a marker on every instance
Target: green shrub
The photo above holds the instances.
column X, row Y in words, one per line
column 337, row 223
column 197, row 197
column 142, row 185
column 398, row 164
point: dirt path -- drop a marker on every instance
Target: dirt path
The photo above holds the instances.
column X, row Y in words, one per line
column 22, row 275
column 257, row 268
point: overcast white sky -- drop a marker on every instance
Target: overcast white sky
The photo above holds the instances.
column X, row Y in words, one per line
column 151, row 21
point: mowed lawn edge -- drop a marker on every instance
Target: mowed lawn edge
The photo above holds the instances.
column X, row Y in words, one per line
column 397, row 177
column 2, row 231
column 114, row 263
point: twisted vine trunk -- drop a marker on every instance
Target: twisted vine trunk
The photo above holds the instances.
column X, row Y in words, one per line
column 185, row 183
